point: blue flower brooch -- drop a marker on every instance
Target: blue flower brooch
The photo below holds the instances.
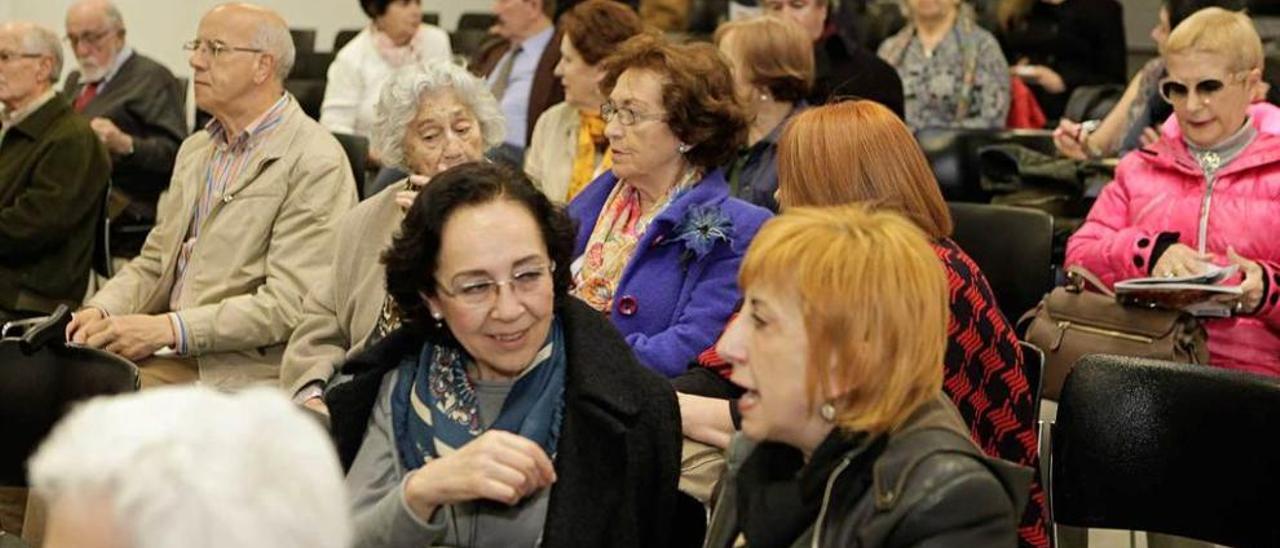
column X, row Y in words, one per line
column 699, row 230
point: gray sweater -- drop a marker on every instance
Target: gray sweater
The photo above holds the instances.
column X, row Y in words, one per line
column 382, row 516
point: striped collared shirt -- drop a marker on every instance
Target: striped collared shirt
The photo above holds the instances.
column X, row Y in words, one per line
column 230, row 156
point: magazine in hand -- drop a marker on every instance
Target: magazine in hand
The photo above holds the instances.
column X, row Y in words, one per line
column 1199, row 294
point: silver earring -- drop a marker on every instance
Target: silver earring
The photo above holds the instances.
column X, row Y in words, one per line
column 828, row 412
column 439, row 318
column 683, row 148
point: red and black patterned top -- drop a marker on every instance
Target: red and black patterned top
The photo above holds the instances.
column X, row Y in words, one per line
column 985, row 378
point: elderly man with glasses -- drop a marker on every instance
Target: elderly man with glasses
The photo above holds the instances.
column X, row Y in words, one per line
column 246, row 224
column 53, row 178
column 136, row 107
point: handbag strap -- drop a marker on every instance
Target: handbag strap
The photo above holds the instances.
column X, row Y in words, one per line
column 1077, row 274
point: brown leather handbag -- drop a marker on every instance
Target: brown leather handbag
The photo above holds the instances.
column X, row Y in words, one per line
column 1076, row 319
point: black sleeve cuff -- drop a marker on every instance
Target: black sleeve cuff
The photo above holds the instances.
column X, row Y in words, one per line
column 734, row 414
column 1163, row 241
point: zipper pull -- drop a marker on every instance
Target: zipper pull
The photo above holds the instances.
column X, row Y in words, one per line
column 1063, row 326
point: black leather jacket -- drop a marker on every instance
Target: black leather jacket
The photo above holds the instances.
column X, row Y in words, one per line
column 929, row 487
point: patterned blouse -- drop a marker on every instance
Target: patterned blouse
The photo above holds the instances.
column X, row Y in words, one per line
column 963, row 82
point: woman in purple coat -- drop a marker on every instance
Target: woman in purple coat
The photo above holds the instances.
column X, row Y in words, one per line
column 659, row 239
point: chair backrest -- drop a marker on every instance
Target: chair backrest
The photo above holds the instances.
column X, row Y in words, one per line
column 38, row 384
column 1092, row 102
column 477, row 21
column 304, row 40
column 953, row 154
column 431, row 18
column 1170, row 448
column 102, row 237
column 1014, row 248
column 343, row 36
column 309, row 93
column 466, row 42
column 357, row 149
column 311, row 65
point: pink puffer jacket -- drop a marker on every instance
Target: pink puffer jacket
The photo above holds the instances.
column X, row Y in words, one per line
column 1160, row 189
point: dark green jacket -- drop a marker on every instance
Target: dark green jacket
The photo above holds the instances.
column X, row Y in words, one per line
column 53, row 179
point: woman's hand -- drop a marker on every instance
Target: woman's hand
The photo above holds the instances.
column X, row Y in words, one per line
column 1251, row 287
column 498, row 466
column 705, row 419
column 1042, row 76
column 1070, row 139
column 1180, row 260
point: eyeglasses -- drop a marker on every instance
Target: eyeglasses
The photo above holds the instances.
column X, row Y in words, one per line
column 1173, row 91
column 214, row 48
column 480, row 292
column 91, row 38
column 6, row 56
column 625, row 116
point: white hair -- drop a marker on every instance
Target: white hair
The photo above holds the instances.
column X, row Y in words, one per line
column 403, row 92
column 275, row 40
column 191, row 467
column 40, row 40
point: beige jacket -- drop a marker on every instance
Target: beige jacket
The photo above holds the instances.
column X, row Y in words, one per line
column 549, row 158
column 260, row 247
column 344, row 303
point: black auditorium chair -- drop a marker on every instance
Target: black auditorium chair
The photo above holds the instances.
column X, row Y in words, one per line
column 1170, row 448
column 311, row 65
column 357, row 149
column 343, row 36
column 953, row 154
column 40, row 378
column 1092, row 102
column 477, row 21
column 1014, row 248
column 304, row 40
column 309, row 92
column 431, row 18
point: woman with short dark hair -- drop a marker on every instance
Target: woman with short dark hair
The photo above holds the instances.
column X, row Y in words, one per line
column 659, row 238
column 502, row 411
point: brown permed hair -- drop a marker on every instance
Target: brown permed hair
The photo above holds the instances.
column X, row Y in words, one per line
column 596, row 27
column 697, row 93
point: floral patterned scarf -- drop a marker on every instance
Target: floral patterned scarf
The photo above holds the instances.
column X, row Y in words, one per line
column 613, row 241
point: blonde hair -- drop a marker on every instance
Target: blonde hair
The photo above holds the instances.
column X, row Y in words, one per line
column 859, row 151
column 874, row 298
column 775, row 53
column 1218, row 31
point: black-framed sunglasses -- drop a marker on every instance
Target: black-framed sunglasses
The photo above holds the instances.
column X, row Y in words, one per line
column 1174, row 91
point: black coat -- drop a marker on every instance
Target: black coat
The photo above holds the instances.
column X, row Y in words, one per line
column 925, row 484
column 53, row 179
column 618, row 458
column 845, row 69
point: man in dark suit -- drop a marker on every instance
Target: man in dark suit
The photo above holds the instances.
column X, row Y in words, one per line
column 53, row 178
column 844, row 68
column 135, row 105
column 519, row 64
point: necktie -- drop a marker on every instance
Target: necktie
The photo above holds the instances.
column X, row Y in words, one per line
column 90, row 91
column 503, row 77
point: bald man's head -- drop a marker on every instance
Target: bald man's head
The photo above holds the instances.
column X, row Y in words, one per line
column 243, row 50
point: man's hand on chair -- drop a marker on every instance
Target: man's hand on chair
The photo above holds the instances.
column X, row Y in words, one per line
column 135, row 336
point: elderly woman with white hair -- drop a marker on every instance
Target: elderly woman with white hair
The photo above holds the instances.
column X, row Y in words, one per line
column 191, row 467
column 430, row 117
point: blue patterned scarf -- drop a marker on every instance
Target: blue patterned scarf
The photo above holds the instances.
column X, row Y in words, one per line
column 434, row 409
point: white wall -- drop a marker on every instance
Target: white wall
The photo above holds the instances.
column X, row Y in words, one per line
column 158, row 28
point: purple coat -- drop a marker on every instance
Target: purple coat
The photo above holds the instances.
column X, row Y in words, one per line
column 668, row 309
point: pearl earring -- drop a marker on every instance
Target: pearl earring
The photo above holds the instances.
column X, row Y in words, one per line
column 439, row 318
column 683, row 148
column 828, row 412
